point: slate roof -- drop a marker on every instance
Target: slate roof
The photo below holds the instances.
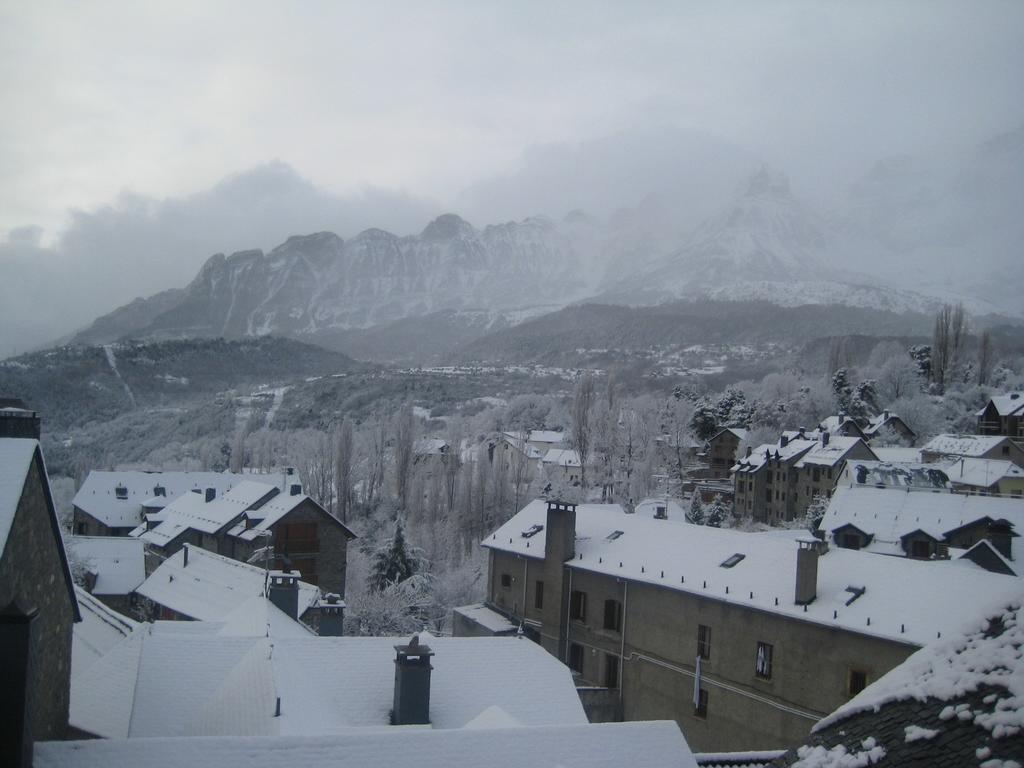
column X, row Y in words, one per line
column 982, row 473
column 119, row 562
column 953, row 704
column 193, row 684
column 963, row 445
column 653, row 744
column 100, row 629
column 1006, row 405
column 832, row 453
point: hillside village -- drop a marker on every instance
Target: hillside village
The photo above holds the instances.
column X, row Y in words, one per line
column 690, row 584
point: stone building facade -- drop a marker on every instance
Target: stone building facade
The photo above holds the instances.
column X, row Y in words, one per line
column 635, row 626
column 36, row 596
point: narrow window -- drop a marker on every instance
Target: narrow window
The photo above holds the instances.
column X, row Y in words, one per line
column 857, row 681
column 576, row 657
column 701, row 710
column 815, row 474
column 611, row 671
column 80, row 530
column 506, row 581
column 704, row 641
column 578, row 606
column 613, row 615
column 538, row 595
column 763, row 665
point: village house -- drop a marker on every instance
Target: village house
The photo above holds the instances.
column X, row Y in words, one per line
column 890, row 426
column 247, row 519
column 720, row 451
column 37, row 605
column 196, row 585
column 562, row 466
column 922, row 522
column 114, row 503
column 112, row 568
column 744, row 639
column 986, row 477
column 1003, row 415
column 841, row 426
column 765, row 479
column 819, row 469
column 949, row 446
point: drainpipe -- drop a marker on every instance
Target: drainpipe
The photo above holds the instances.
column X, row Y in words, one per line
column 568, row 609
column 622, row 642
column 525, row 564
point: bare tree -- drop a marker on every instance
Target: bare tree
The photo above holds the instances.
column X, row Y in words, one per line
column 984, row 358
column 948, row 337
column 582, row 429
column 404, row 438
column 520, row 473
column 343, row 470
column 377, row 441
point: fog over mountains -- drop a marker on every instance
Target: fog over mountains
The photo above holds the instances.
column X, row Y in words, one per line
column 911, row 233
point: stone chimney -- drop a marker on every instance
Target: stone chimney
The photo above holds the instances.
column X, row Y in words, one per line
column 283, row 591
column 825, row 436
column 783, row 441
column 332, row 616
column 16, row 694
column 807, row 568
column 211, row 494
column 412, row 684
column 559, row 547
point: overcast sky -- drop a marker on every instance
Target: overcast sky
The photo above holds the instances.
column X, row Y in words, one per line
column 164, row 99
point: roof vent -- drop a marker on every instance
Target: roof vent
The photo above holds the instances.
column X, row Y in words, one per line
column 532, row 531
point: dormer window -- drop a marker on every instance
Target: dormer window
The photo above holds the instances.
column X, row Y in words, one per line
column 732, row 560
column 121, row 492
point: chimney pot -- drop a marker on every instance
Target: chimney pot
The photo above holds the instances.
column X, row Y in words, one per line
column 810, row 549
column 283, row 591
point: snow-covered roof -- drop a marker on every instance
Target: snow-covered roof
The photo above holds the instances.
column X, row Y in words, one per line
column 891, row 513
column 100, row 629
column 881, row 421
column 982, row 473
column 1007, row 404
column 210, row 587
column 648, row 744
column 906, row 600
column 547, row 436
column 830, row 454
column 270, row 512
column 430, row 446
column 98, row 495
column 563, row 457
column 487, row 618
column 897, row 454
column 957, row 701
column 197, row 684
column 895, row 474
column 191, row 511
column 16, row 456
column 119, row 562
column 833, row 423
column 963, row 445
column 519, row 441
column 760, row 455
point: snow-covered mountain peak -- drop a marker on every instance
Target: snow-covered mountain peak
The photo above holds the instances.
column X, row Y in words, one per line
column 768, row 182
column 448, row 226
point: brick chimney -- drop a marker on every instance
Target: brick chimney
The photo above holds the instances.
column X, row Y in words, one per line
column 559, row 547
column 16, row 694
column 332, row 616
column 807, row 568
column 283, row 591
column 412, row 684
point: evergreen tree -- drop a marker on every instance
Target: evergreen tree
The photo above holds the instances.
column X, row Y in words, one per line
column 704, row 421
column 841, row 390
column 394, row 562
column 816, row 511
column 717, row 512
column 696, row 514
